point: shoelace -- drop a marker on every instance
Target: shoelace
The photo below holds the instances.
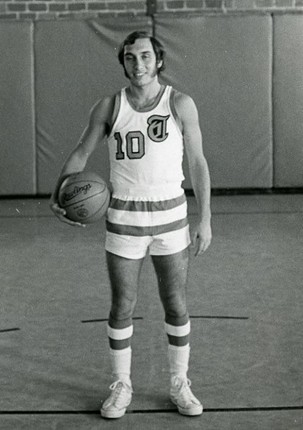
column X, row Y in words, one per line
column 184, row 389
column 116, row 397
column 180, row 381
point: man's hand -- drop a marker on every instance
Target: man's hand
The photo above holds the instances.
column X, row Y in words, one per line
column 201, row 237
column 61, row 214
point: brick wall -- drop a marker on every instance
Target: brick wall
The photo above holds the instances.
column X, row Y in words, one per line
column 60, row 9
column 227, row 6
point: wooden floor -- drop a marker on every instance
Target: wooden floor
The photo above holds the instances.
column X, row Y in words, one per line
column 245, row 299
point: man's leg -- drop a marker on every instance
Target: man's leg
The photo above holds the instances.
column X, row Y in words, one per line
column 172, row 272
column 124, row 276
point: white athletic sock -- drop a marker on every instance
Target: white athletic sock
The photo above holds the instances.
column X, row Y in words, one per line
column 178, row 357
column 121, row 364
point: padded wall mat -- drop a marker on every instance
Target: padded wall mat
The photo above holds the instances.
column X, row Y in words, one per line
column 76, row 64
column 17, row 143
column 288, row 96
column 224, row 63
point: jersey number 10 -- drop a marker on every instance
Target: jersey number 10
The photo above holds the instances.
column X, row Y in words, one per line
column 135, row 145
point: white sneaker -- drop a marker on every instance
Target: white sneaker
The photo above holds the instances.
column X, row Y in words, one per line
column 183, row 398
column 116, row 404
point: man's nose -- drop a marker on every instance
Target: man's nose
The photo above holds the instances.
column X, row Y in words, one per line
column 138, row 63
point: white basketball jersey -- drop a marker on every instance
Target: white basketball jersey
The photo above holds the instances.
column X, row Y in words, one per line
column 146, row 148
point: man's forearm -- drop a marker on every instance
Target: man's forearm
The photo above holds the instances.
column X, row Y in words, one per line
column 200, row 179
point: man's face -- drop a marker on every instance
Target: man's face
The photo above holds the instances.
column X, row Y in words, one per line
column 140, row 62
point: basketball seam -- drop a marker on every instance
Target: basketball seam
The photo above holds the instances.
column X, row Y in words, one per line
column 83, row 200
column 79, row 200
column 84, row 181
column 95, row 213
column 98, row 210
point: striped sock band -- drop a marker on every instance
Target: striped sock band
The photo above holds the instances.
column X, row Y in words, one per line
column 119, row 333
column 178, row 330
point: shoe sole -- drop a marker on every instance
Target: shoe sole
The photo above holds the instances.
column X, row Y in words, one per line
column 112, row 415
column 193, row 412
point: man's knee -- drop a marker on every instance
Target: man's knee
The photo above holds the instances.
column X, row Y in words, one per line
column 175, row 305
column 123, row 307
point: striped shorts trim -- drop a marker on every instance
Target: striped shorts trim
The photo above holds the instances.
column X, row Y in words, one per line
column 131, row 230
column 146, row 206
column 146, row 218
column 133, row 226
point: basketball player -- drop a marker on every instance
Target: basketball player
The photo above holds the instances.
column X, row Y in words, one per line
column 147, row 125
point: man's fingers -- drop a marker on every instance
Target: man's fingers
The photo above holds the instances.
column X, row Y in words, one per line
column 202, row 246
column 61, row 215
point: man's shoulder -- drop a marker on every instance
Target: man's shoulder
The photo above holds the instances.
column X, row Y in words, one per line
column 180, row 97
column 104, row 103
column 104, row 107
column 182, row 102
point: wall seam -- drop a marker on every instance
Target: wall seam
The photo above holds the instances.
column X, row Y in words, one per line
column 273, row 99
column 33, row 86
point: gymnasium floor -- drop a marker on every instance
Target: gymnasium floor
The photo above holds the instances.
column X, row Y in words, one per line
column 245, row 298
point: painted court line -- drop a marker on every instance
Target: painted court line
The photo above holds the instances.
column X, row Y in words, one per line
column 105, row 319
column 221, row 317
column 155, row 411
column 9, row 329
column 191, row 316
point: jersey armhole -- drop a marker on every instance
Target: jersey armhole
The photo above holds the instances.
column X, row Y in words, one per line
column 174, row 110
column 115, row 111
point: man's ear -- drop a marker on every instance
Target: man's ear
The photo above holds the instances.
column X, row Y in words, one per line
column 159, row 64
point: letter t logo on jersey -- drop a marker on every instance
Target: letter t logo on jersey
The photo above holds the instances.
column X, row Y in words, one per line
column 157, row 128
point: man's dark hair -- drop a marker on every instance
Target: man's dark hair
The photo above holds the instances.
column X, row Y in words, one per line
column 157, row 46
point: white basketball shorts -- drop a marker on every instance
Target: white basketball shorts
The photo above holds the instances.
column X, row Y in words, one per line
column 136, row 226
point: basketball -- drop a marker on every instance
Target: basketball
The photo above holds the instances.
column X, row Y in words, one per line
column 84, row 196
